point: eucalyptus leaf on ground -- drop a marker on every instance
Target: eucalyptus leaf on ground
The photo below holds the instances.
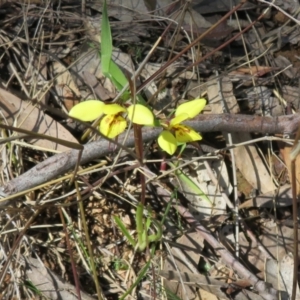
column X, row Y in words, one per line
column 89, row 61
column 17, row 111
column 205, row 199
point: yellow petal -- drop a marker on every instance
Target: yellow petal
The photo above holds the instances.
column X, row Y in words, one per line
column 192, row 108
column 87, row 111
column 140, row 114
column 167, row 142
column 185, row 134
column 112, row 125
column 178, row 119
column 113, row 109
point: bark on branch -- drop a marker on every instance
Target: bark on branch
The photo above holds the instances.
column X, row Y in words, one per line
column 246, row 123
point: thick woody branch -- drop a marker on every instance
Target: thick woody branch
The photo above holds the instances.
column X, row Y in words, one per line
column 61, row 163
column 246, row 123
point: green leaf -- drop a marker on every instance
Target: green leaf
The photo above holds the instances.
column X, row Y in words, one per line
column 155, row 237
column 143, row 226
column 117, row 76
column 140, row 228
column 29, row 285
column 106, row 42
column 125, row 231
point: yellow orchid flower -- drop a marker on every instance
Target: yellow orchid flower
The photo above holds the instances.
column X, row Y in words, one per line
column 183, row 133
column 113, row 123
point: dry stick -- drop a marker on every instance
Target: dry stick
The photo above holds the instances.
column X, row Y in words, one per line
column 73, row 265
column 9, row 259
column 194, row 43
column 264, row 290
column 245, row 123
column 157, row 73
column 61, row 163
column 137, row 131
column 295, row 223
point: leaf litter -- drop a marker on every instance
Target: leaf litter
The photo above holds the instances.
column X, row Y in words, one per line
column 46, row 70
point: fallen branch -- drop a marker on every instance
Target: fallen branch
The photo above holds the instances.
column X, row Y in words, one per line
column 247, row 123
column 265, row 290
column 61, row 163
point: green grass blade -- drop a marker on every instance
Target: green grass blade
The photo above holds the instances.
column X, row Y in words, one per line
column 171, row 295
column 29, row 285
column 140, row 275
column 125, row 231
column 106, row 42
column 167, row 210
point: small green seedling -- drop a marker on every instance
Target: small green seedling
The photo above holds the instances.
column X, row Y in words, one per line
column 29, row 285
column 142, row 228
column 119, row 264
column 143, row 240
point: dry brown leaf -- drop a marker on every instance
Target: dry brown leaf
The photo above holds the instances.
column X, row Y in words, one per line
column 211, row 289
column 285, row 153
column 291, row 95
column 247, row 158
column 283, row 198
column 89, row 63
column 19, row 113
column 65, row 87
column 206, row 200
column 285, row 64
column 253, row 70
column 49, row 284
column 279, row 275
column 100, row 92
column 277, row 239
column 194, row 242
